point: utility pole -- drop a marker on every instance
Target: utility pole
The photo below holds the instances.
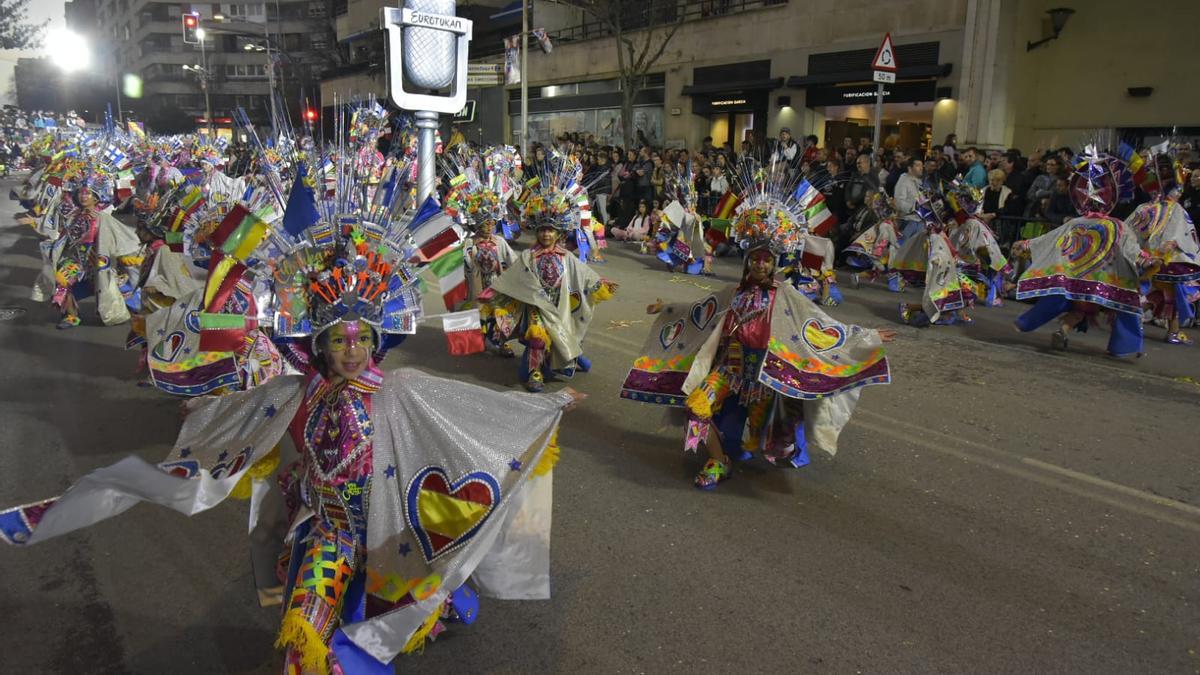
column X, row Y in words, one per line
column 524, row 82
column 204, row 75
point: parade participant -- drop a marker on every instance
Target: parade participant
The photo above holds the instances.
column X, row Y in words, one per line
column 680, row 236
column 1168, row 236
column 92, row 252
column 873, row 250
column 394, row 509
column 979, row 255
column 547, row 297
column 474, row 203
column 1086, row 265
column 927, row 260
column 758, row 366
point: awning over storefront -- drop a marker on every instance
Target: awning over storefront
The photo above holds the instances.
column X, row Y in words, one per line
column 899, row 92
column 710, row 88
column 864, row 75
column 844, row 78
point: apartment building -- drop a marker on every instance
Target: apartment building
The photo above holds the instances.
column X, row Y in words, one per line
column 242, row 43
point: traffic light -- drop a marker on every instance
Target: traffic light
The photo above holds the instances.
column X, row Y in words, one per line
column 191, row 23
column 310, row 114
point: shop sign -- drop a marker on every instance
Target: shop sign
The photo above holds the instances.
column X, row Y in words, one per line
column 900, row 92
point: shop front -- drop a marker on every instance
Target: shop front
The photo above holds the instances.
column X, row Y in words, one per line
column 839, row 87
column 734, row 99
column 589, row 108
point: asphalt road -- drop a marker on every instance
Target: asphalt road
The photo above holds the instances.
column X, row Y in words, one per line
column 999, row 508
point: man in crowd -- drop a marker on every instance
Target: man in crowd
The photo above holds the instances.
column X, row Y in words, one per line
column 976, row 175
column 898, row 167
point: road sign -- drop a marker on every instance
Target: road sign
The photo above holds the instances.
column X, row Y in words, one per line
column 885, row 58
column 467, row 114
column 884, row 76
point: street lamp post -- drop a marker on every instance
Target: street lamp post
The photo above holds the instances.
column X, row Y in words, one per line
column 204, row 80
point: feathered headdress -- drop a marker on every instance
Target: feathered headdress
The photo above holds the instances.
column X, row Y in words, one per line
column 481, row 185
column 557, row 197
column 770, row 214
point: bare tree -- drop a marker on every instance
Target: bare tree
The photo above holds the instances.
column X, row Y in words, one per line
column 655, row 20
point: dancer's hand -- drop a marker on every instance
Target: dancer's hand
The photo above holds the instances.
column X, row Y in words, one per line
column 656, row 307
column 576, row 398
column 886, row 334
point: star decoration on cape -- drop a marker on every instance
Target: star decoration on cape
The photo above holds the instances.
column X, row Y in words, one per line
column 390, row 471
column 269, row 411
column 221, row 457
column 795, row 338
column 515, row 464
column 185, row 452
column 405, row 549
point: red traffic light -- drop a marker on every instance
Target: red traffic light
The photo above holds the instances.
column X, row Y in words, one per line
column 310, row 115
column 189, row 20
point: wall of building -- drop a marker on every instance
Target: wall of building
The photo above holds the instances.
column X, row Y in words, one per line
column 786, row 34
column 1069, row 88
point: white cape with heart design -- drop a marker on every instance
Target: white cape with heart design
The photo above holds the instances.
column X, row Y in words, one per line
column 811, row 356
column 421, row 422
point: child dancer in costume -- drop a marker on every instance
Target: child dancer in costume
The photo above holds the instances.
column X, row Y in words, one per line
column 474, row 203
column 680, row 237
column 92, row 250
column 758, row 366
column 1086, row 265
column 980, row 258
column 928, row 261
column 547, row 297
column 874, row 249
column 1168, row 235
column 395, row 508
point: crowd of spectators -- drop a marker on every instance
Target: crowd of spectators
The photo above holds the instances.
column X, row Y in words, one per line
column 1023, row 195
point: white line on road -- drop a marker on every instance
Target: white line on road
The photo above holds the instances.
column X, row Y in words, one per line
column 946, row 446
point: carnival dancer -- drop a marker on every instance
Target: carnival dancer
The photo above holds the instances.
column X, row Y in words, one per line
column 474, row 203
column 1088, row 264
column 979, row 256
column 91, row 254
column 1168, row 236
column 680, row 236
column 547, row 297
column 872, row 251
column 928, row 261
column 757, row 366
column 394, row 508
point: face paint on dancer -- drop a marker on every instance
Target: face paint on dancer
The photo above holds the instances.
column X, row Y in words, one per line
column 760, row 266
column 347, row 348
column 547, row 236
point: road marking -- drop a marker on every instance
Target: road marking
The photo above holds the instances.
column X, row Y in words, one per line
column 1056, row 480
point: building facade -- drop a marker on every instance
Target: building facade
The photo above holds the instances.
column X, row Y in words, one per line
column 245, row 45
column 738, row 69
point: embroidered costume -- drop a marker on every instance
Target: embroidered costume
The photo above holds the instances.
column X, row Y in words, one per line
column 758, row 363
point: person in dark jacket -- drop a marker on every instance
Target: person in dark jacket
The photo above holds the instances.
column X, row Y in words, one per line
column 598, row 180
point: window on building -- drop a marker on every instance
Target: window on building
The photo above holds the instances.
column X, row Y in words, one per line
column 252, row 11
column 245, row 71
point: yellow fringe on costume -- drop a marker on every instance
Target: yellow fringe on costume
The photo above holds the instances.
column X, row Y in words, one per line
column 417, row 641
column 549, row 457
column 604, row 292
column 297, row 633
column 260, row 470
column 698, row 403
column 130, row 260
column 537, row 332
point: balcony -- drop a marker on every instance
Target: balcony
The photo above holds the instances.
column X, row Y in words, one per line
column 659, row 12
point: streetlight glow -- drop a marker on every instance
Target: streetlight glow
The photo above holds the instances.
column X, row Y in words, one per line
column 200, row 33
column 68, row 50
